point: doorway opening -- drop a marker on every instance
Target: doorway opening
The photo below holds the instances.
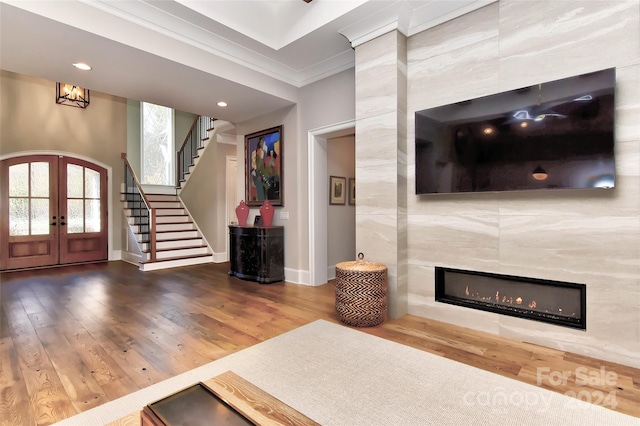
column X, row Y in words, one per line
column 318, row 196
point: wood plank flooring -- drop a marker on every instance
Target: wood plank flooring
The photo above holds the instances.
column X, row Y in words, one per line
column 72, row 338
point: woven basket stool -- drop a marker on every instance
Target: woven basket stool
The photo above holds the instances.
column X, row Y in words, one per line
column 361, row 292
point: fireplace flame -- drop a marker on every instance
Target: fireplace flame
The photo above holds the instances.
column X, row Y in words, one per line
column 466, row 291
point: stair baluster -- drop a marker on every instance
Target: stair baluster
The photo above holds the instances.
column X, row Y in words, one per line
column 192, row 143
column 144, row 215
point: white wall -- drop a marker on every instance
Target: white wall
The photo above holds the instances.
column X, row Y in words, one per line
column 323, row 103
column 133, row 135
column 30, row 120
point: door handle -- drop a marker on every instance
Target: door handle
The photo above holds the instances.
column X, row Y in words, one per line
column 53, row 224
column 62, row 223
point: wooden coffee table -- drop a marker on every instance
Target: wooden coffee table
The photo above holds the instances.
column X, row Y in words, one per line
column 225, row 399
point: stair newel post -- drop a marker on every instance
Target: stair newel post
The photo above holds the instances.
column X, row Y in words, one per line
column 152, row 235
column 179, row 168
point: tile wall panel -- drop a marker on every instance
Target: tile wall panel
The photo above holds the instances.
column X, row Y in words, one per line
column 590, row 237
column 381, row 75
column 421, row 302
column 376, row 77
column 458, row 76
column 628, row 103
column 465, row 242
column 547, row 39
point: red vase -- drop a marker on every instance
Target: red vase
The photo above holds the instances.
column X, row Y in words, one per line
column 266, row 212
column 242, row 212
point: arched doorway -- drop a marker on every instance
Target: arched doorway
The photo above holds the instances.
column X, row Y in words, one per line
column 54, row 211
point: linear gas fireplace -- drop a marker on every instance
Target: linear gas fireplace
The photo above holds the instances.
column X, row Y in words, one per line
column 554, row 302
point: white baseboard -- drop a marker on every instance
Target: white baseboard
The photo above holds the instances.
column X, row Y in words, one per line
column 116, row 255
column 297, row 276
column 220, row 257
column 331, row 273
column 154, row 266
column 132, row 258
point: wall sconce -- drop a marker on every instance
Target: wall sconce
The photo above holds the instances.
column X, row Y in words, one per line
column 68, row 94
column 539, row 173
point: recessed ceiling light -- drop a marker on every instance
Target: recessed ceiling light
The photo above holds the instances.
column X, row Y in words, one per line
column 82, row 66
column 222, row 104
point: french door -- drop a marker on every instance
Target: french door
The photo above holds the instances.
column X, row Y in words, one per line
column 53, row 211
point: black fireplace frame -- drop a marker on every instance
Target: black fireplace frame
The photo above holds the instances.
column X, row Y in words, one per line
column 576, row 323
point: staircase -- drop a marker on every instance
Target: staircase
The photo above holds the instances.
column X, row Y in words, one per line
column 162, row 232
column 165, row 234
column 197, row 140
column 177, row 240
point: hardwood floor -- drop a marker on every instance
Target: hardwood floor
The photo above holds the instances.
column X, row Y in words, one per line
column 75, row 337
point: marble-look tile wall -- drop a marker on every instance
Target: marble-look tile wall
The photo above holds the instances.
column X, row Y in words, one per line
column 590, row 237
column 381, row 160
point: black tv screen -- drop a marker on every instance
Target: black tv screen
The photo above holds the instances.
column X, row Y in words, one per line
column 553, row 135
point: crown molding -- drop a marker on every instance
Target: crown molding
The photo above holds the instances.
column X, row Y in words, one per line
column 161, row 22
column 408, row 20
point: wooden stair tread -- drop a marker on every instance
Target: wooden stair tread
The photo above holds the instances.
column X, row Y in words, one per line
column 177, row 230
column 176, row 248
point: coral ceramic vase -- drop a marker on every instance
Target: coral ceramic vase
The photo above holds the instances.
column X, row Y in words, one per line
column 242, row 212
column 266, row 211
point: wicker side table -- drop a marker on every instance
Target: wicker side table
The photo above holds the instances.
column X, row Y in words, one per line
column 361, row 293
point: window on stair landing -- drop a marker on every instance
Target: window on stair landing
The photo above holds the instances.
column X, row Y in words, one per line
column 157, row 144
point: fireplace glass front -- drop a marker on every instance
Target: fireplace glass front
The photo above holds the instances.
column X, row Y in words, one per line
column 555, row 302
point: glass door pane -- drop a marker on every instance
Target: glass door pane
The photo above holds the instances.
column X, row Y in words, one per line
column 92, row 212
column 18, row 216
column 75, row 216
column 83, row 200
column 29, row 199
column 39, row 216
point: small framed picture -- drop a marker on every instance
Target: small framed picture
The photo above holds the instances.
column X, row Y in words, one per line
column 352, row 191
column 337, row 190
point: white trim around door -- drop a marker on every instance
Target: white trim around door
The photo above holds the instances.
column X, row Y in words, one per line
column 318, row 196
column 111, row 253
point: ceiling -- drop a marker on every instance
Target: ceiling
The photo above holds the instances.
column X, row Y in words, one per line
column 190, row 54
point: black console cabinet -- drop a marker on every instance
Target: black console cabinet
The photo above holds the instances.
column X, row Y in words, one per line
column 257, row 253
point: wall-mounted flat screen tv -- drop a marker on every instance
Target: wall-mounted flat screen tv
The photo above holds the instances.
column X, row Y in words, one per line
column 553, row 135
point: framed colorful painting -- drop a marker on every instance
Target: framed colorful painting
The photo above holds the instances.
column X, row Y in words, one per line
column 263, row 167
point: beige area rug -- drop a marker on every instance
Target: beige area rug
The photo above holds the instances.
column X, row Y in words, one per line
column 337, row 375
